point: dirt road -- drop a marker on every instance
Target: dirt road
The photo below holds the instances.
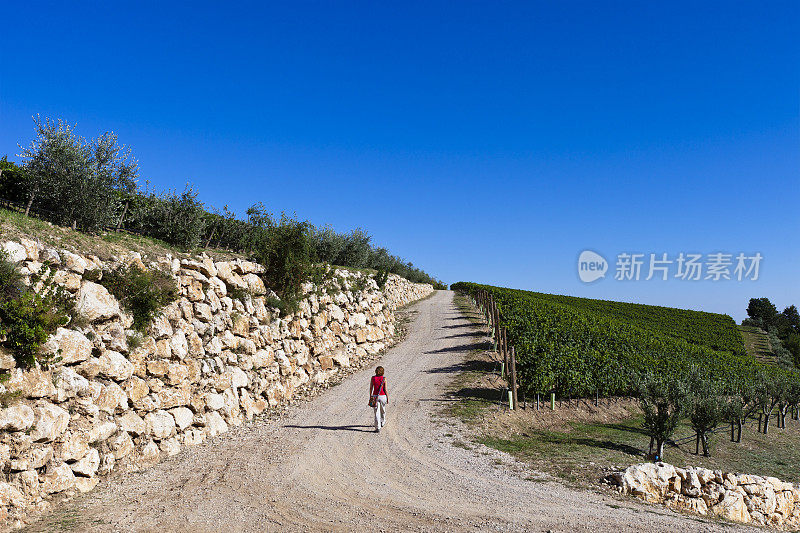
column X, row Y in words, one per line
column 321, row 467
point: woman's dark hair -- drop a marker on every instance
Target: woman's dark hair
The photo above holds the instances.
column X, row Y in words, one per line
column 379, row 371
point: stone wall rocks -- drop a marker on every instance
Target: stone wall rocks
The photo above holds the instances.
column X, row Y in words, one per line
column 737, row 497
column 207, row 363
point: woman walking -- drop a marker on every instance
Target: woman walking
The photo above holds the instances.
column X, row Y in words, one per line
column 378, row 398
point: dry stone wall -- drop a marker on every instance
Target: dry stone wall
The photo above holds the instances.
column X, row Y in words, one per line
column 208, row 362
column 738, row 497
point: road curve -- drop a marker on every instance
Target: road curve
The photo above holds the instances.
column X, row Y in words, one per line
column 321, row 468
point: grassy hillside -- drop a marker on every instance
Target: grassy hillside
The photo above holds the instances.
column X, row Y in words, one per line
column 756, row 342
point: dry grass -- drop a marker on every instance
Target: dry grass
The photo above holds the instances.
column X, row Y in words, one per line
column 14, row 225
column 756, row 343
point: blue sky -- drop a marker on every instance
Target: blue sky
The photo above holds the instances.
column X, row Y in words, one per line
column 483, row 141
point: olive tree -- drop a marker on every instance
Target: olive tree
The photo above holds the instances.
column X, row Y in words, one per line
column 78, row 183
column 705, row 405
column 663, row 402
column 742, row 402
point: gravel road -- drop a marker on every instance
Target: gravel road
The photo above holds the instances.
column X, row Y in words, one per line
column 322, row 468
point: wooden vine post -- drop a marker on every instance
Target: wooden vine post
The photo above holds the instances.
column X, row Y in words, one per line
column 514, row 375
column 505, row 348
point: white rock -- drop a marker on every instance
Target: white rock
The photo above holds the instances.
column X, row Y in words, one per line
column 86, row 484
column 15, row 252
column 161, row 327
column 102, row 431
column 239, row 378
column 10, row 496
column 170, row 446
column 159, row 424
column 732, row 507
column 111, row 398
column 341, row 358
column 69, row 384
column 183, row 417
column 38, row 457
column 74, row 446
column 96, row 303
column 50, row 422
column 59, row 477
column 121, row 445
column 18, row 417
column 107, row 462
column 179, row 345
column 215, row 424
column 73, row 345
column 336, row 313
column 214, row 401
column 114, row 365
column 193, row 436
column 132, row 423
column 88, row 465
column 263, row 358
column 150, row 453
column 74, row 262
column 254, row 284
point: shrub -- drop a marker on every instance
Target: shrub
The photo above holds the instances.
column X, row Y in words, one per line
column 381, row 277
column 329, row 245
column 285, row 306
column 143, row 293
column 286, row 254
column 179, row 220
column 238, row 293
column 13, row 181
column 29, row 317
column 11, row 285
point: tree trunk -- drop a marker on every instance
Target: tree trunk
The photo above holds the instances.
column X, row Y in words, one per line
column 211, row 236
column 760, row 421
column 650, row 453
column 122, row 217
column 660, row 450
column 733, row 436
column 705, row 445
column 766, row 424
column 697, row 443
column 28, row 207
column 739, row 430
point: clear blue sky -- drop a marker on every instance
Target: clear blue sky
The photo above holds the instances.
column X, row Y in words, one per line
column 482, row 141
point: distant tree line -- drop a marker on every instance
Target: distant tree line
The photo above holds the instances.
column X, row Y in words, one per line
column 92, row 185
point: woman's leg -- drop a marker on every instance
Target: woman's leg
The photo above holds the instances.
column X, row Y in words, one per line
column 377, row 414
column 382, row 402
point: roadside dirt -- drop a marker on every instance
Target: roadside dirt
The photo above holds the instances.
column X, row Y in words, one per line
column 320, row 467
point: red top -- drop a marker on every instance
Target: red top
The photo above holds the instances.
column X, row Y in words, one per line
column 378, row 385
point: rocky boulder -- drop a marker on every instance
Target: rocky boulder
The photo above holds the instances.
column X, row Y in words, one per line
column 96, row 303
